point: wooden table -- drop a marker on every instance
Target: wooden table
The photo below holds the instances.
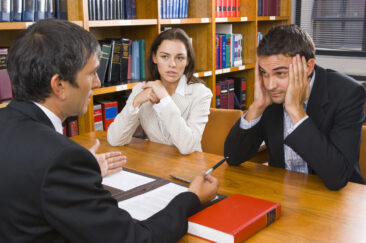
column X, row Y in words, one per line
column 310, row 212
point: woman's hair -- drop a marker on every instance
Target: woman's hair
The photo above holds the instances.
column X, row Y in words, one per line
column 172, row 34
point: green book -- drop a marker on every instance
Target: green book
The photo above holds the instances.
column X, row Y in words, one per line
column 142, row 59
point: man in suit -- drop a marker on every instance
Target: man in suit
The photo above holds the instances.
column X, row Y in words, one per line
column 309, row 117
column 50, row 187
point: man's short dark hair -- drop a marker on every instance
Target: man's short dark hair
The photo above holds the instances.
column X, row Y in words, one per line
column 288, row 40
column 46, row 48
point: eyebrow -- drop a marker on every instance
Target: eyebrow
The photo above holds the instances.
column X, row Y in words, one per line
column 275, row 69
column 166, row 53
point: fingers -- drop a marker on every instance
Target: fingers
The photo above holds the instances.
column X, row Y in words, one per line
column 95, row 147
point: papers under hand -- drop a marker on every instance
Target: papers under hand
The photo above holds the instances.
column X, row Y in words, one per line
column 125, row 180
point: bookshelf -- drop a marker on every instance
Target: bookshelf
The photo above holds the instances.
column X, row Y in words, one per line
column 200, row 26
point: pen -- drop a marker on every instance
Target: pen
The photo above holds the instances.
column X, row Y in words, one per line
column 181, row 179
column 216, row 165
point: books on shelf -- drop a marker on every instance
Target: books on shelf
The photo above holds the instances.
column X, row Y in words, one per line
column 32, row 10
column 233, row 219
column 227, row 8
column 6, row 92
column 174, row 9
column 109, row 111
column 268, row 7
column 111, row 9
column 72, row 128
column 98, row 117
column 229, row 47
column 122, row 62
column 231, row 93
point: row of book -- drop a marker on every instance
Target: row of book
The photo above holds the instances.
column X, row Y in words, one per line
column 6, row 92
column 259, row 37
column 229, row 49
column 32, row 10
column 231, row 93
column 112, row 9
column 174, row 9
column 227, row 8
column 122, row 62
column 268, row 7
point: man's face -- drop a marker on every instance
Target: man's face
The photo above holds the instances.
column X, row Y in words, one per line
column 274, row 71
column 78, row 98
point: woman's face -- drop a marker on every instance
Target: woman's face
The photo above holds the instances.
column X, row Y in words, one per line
column 171, row 60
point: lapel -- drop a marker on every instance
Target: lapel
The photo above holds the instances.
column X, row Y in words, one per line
column 31, row 110
column 319, row 96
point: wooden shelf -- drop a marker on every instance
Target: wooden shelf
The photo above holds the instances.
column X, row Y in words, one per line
column 272, row 18
column 202, row 74
column 122, row 22
column 236, row 19
column 24, row 25
column 112, row 89
column 185, row 21
column 234, row 69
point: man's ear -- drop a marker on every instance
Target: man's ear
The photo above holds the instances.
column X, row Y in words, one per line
column 58, row 86
column 311, row 64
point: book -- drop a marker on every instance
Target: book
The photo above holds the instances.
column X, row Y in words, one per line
column 105, row 55
column 98, row 117
column 233, row 219
column 61, row 9
column 72, row 126
column 218, row 95
column 5, row 84
column 230, row 97
column 28, row 10
column 142, row 59
column 40, row 10
column 50, row 8
column 110, row 62
column 5, row 10
column 109, row 111
column 135, row 61
column 124, row 59
column 17, row 10
column 240, row 88
column 116, row 73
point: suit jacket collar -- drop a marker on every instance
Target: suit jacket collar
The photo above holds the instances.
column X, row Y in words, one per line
column 31, row 110
column 319, row 96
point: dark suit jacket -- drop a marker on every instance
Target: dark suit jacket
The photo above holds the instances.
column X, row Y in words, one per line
column 329, row 140
column 50, row 190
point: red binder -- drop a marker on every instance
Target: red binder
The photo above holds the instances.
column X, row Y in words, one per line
column 233, row 219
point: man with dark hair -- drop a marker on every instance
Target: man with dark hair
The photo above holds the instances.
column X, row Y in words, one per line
column 309, row 117
column 50, row 187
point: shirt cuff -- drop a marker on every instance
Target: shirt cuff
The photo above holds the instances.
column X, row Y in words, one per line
column 297, row 124
column 162, row 103
column 133, row 110
column 244, row 124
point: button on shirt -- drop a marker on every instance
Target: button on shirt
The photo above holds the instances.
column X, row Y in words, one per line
column 293, row 161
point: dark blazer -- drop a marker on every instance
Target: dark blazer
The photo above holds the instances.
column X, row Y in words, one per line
column 50, row 190
column 329, row 140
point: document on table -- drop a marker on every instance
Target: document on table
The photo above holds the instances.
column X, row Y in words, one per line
column 125, row 180
column 145, row 205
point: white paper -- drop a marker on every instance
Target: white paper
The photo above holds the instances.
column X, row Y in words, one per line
column 125, row 180
column 145, row 205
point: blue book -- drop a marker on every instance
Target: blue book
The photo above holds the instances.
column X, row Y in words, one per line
column 142, row 59
column 61, row 9
column 133, row 9
column 40, row 12
column 50, row 9
column 170, row 8
column 185, row 11
column 28, row 10
column 164, row 9
column 223, row 63
column 260, row 7
column 175, row 8
column 5, row 11
column 135, row 65
column 17, row 10
column 127, row 9
column 181, row 9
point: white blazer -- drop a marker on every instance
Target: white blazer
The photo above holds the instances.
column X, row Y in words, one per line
column 183, row 119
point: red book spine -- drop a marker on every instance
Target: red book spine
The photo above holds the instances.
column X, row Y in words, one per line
column 109, row 109
column 230, row 103
column 218, row 95
column 237, row 8
column 72, row 126
column 218, row 8
column 232, row 8
column 220, row 48
column 243, row 93
column 224, row 8
column 224, row 94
